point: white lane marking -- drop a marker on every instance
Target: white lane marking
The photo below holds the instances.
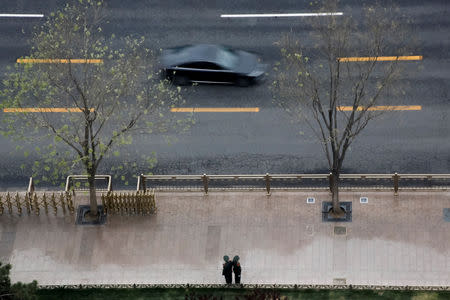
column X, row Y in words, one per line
column 21, row 15
column 282, row 15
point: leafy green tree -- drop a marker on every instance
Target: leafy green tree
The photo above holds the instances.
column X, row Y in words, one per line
column 312, row 85
column 111, row 86
column 19, row 290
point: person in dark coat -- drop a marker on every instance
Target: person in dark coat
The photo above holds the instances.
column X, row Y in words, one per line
column 237, row 270
column 227, row 270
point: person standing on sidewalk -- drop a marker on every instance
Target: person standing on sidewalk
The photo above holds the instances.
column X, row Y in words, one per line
column 237, row 270
column 227, row 270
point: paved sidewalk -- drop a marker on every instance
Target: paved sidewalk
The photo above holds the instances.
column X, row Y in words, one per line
column 281, row 239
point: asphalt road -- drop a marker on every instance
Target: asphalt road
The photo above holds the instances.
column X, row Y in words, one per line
column 265, row 141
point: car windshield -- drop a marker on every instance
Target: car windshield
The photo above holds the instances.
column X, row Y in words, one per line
column 227, row 58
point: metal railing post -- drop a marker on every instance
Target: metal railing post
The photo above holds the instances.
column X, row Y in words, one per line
column 67, row 189
column 205, row 183
column 267, row 177
column 395, row 178
column 138, row 185
column 109, row 183
column 141, row 183
column 30, row 187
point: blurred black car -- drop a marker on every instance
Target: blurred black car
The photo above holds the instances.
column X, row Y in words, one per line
column 211, row 64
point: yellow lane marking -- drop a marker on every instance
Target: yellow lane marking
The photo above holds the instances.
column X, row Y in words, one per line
column 383, row 107
column 215, row 109
column 380, row 58
column 58, row 61
column 41, row 109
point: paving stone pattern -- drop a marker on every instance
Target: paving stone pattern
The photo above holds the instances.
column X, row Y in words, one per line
column 280, row 239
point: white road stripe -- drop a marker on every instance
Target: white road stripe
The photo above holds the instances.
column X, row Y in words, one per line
column 21, row 15
column 282, row 15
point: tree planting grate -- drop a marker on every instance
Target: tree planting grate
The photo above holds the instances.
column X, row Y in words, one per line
column 345, row 206
column 84, row 209
column 447, row 214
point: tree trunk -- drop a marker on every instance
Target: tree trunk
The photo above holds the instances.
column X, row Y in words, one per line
column 92, row 194
column 334, row 187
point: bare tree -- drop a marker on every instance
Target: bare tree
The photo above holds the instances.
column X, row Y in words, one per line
column 316, row 86
column 109, row 88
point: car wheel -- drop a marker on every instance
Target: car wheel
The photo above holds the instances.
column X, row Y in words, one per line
column 243, row 82
column 180, row 80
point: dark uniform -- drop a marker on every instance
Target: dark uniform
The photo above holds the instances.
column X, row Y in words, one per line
column 237, row 270
column 227, row 270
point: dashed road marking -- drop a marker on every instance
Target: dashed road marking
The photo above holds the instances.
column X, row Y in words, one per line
column 215, row 109
column 380, row 58
column 282, row 15
column 42, row 109
column 21, row 15
column 58, row 61
column 382, row 107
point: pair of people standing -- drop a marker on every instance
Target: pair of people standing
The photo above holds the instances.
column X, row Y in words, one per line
column 231, row 266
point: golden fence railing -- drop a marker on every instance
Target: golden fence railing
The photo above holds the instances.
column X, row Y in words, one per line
column 134, row 203
column 33, row 203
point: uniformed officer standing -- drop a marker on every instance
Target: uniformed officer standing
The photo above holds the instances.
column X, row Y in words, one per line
column 227, row 270
column 237, row 269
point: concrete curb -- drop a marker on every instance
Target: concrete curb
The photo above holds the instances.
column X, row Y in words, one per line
column 250, row 286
